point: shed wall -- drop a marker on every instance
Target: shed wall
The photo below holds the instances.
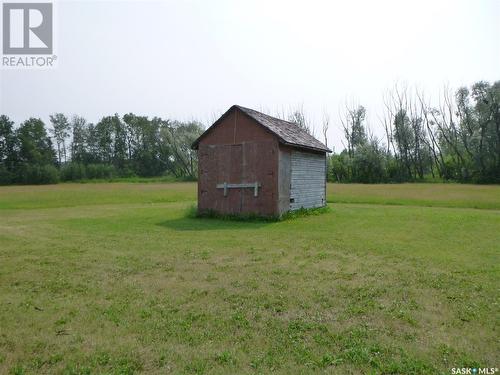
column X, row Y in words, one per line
column 236, row 128
column 284, row 180
column 238, row 151
column 308, row 178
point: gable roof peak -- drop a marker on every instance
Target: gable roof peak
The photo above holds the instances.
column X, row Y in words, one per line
column 287, row 132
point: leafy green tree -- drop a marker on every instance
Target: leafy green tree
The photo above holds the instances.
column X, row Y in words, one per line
column 369, row 163
column 354, row 128
column 176, row 140
column 35, row 146
column 104, row 139
column 404, row 139
column 60, row 131
column 119, row 143
column 143, row 137
column 8, row 152
column 36, row 157
column 358, row 131
column 487, row 108
column 80, row 135
column 339, row 167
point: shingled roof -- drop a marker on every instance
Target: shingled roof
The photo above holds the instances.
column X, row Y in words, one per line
column 287, row 132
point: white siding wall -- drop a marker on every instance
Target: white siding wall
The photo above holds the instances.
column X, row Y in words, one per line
column 307, row 180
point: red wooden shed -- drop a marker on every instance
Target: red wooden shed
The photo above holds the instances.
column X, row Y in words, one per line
column 252, row 163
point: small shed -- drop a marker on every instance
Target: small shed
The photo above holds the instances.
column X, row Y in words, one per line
column 252, row 163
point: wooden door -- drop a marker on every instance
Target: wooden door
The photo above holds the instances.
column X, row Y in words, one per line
column 229, row 167
column 235, row 176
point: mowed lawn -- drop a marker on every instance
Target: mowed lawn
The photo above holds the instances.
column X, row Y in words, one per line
column 117, row 278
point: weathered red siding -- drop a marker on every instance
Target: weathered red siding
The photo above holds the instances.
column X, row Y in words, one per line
column 238, row 150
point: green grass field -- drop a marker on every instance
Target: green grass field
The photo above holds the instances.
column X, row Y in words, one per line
column 117, row 278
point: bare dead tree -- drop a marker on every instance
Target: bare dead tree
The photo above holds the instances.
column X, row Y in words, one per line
column 432, row 141
column 298, row 117
column 352, row 118
column 388, row 121
column 444, row 118
column 326, row 124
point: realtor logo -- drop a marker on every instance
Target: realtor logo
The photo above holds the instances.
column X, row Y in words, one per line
column 27, row 28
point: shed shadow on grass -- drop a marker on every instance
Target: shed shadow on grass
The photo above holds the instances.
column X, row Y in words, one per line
column 202, row 223
column 191, row 221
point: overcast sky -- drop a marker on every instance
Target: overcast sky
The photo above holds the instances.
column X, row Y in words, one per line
column 194, row 59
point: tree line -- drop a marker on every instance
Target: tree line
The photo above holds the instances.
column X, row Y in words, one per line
column 75, row 149
column 458, row 139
